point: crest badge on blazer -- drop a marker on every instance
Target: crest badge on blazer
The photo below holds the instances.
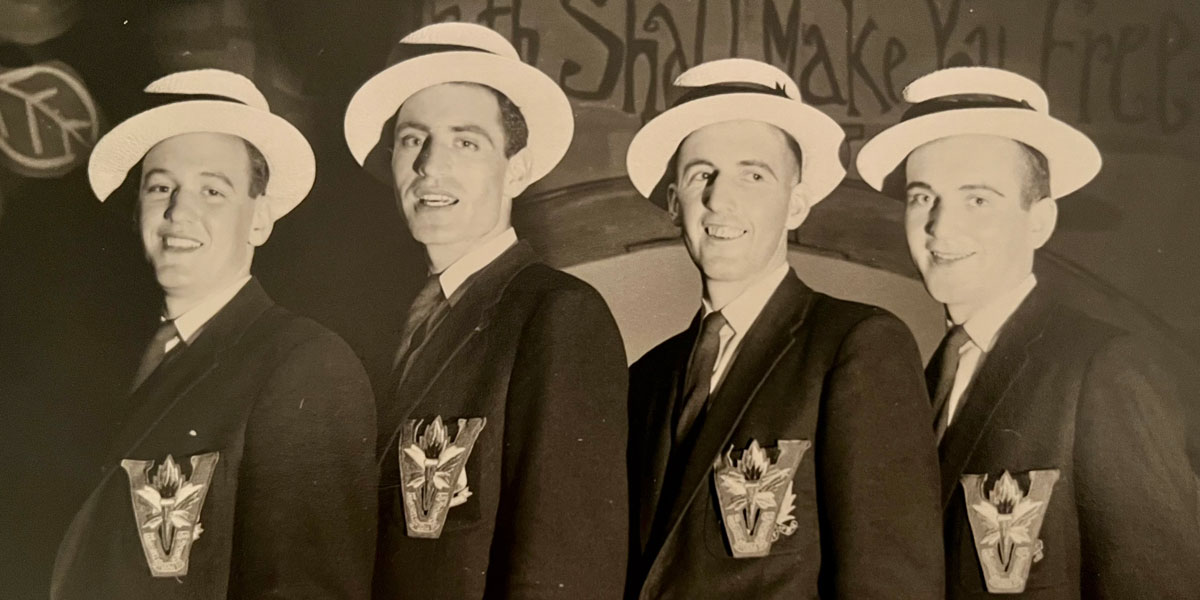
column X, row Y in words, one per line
column 1006, row 521
column 755, row 494
column 166, row 506
column 433, row 473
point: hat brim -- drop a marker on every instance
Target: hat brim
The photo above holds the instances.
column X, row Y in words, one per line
column 819, row 137
column 1073, row 158
column 289, row 157
column 547, row 112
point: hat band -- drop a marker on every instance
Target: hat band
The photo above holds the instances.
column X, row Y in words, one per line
column 155, row 100
column 961, row 102
column 728, row 88
column 407, row 51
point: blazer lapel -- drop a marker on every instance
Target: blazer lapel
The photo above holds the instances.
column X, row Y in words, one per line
column 772, row 334
column 167, row 385
column 463, row 321
column 658, row 430
column 1001, row 367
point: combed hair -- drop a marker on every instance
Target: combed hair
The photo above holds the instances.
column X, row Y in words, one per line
column 1037, row 180
column 516, row 131
column 260, row 172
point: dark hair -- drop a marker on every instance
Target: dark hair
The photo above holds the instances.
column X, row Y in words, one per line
column 1037, row 176
column 792, row 144
column 516, row 131
column 260, row 172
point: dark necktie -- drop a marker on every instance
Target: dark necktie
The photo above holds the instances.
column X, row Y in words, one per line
column 156, row 351
column 699, row 374
column 940, row 376
column 429, row 303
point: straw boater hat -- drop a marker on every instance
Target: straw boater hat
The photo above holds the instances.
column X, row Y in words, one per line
column 462, row 52
column 982, row 101
column 738, row 89
column 209, row 101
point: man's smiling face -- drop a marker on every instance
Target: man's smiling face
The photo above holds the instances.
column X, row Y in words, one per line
column 736, row 194
column 449, row 165
column 971, row 230
column 198, row 223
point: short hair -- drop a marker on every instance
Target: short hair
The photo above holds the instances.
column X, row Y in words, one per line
column 260, row 172
column 1037, row 175
column 516, row 131
column 792, row 144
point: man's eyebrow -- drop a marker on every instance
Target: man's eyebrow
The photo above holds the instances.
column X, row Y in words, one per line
column 474, row 129
column 696, row 162
column 917, row 184
column 411, row 125
column 753, row 162
column 220, row 176
column 980, row 186
column 155, row 171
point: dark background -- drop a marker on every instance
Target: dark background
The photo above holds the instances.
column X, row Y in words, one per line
column 77, row 301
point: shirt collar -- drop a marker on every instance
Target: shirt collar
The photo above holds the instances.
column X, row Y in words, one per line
column 743, row 310
column 189, row 323
column 987, row 321
column 472, row 262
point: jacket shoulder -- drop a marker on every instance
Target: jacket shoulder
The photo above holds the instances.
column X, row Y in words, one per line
column 837, row 314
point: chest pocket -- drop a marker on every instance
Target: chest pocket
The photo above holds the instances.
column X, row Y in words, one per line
column 167, row 501
column 763, row 502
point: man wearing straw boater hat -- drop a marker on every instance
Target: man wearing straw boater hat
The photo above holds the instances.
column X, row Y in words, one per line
column 502, row 420
column 779, row 446
column 1063, row 447
column 242, row 465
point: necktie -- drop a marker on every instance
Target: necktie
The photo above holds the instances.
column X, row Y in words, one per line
column 424, row 310
column 940, row 376
column 699, row 374
column 156, row 351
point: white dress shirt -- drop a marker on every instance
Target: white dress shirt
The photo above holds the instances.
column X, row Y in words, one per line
column 982, row 328
column 739, row 315
column 189, row 323
column 472, row 262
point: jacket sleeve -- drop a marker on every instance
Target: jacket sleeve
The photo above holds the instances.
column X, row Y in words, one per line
column 1136, row 490
column 306, row 504
column 877, row 470
column 562, row 524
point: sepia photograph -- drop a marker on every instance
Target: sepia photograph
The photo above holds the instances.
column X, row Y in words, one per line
column 599, row 299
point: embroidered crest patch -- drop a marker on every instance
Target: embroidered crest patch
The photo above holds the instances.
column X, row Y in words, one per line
column 756, row 496
column 167, row 508
column 432, row 472
column 1005, row 522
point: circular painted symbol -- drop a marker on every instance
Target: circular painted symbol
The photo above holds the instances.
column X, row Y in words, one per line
column 48, row 120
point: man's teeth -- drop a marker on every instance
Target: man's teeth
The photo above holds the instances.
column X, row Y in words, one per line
column 438, row 200
column 180, row 243
column 724, row 233
column 950, row 256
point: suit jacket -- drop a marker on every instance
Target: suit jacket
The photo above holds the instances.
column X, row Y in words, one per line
column 1062, row 391
column 537, row 354
column 288, row 509
column 843, row 376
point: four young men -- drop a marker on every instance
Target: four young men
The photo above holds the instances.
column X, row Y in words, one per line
column 782, row 446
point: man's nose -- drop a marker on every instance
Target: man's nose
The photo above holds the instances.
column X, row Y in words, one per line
column 433, row 159
column 942, row 219
column 719, row 194
column 182, row 205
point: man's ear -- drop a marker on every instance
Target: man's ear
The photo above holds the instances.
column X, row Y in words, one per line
column 261, row 222
column 517, row 173
column 1043, row 216
column 798, row 205
column 673, row 209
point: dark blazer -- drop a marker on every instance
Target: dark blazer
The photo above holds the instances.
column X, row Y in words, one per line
column 536, row 353
column 289, row 511
column 845, row 377
column 1060, row 390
